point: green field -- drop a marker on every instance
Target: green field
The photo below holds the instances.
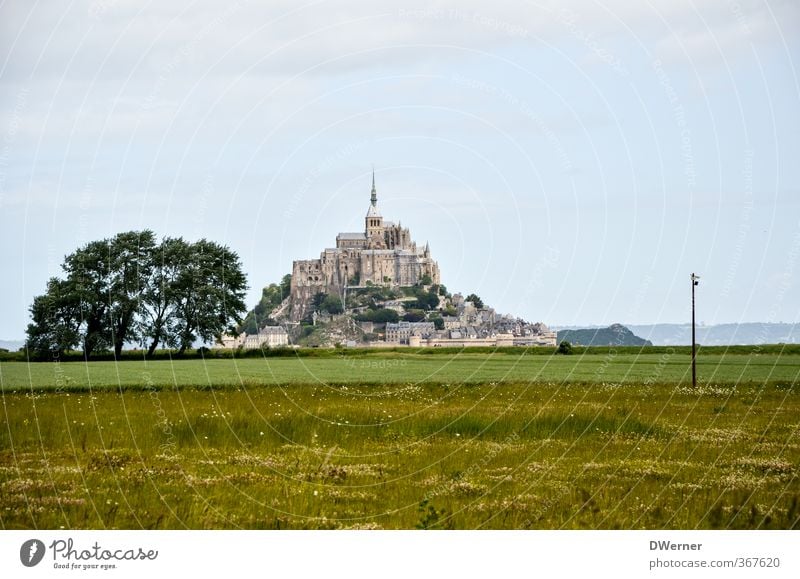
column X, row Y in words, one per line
column 392, row 367
column 477, row 440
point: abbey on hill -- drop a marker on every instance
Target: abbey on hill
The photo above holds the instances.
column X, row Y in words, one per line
column 377, row 288
column 383, row 254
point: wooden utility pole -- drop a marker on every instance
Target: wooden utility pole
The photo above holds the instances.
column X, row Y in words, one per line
column 695, row 281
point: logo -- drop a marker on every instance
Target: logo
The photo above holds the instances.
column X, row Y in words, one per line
column 31, row 552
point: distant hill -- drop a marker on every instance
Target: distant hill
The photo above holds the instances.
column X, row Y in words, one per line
column 11, row 345
column 614, row 335
column 752, row 333
column 743, row 334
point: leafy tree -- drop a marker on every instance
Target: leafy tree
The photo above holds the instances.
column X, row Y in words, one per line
column 331, row 304
column 426, row 280
column 442, row 290
column 105, row 281
column 565, row 348
column 108, row 277
column 88, row 278
column 130, row 260
column 286, row 286
column 380, row 316
column 271, row 297
column 414, row 316
column 249, row 325
column 319, row 297
column 127, row 288
column 158, row 308
column 476, row 301
column 210, row 294
column 438, row 322
column 428, row 300
column 56, row 321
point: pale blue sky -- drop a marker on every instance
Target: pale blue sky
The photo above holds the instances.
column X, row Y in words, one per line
column 571, row 162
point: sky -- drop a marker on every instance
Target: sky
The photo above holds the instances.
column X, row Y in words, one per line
column 569, row 162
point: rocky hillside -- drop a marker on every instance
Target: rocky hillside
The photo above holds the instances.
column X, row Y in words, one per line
column 614, row 335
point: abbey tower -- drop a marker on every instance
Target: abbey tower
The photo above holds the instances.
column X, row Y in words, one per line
column 383, row 254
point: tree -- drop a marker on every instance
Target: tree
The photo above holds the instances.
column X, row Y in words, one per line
column 109, row 277
column 158, row 308
column 332, row 304
column 379, row 316
column 88, row 274
column 130, row 258
column 476, row 301
column 425, row 280
column 209, row 293
column 56, row 321
column 428, row 300
column 271, row 297
column 565, row 348
column 127, row 288
column 414, row 316
column 101, row 296
column 286, row 286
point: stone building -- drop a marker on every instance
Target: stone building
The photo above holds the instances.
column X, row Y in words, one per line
column 268, row 336
column 401, row 332
column 383, row 254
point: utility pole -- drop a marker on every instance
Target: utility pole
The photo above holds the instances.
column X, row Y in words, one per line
column 695, row 281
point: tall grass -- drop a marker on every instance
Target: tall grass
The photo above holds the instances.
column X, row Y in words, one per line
column 511, row 455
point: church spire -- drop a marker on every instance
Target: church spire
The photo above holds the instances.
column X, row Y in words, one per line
column 374, row 219
column 374, row 198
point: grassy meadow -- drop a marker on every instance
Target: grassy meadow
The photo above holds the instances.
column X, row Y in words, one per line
column 599, row 365
column 392, row 440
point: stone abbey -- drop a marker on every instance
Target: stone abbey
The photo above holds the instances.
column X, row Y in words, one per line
column 382, row 254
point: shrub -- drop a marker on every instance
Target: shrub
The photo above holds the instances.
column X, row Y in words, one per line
column 379, row 316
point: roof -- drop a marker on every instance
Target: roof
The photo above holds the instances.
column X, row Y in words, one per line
column 395, row 251
column 409, row 325
column 350, row 235
column 266, row 330
column 373, row 211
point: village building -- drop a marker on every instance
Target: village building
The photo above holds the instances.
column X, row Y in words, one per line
column 401, row 332
column 267, row 337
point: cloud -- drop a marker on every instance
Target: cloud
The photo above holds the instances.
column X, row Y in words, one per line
column 128, row 40
column 720, row 33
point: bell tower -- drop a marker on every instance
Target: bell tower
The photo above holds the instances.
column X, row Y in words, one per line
column 373, row 222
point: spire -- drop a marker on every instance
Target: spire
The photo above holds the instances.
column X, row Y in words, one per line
column 372, row 210
column 374, row 198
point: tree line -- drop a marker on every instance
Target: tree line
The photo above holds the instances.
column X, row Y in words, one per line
column 132, row 289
